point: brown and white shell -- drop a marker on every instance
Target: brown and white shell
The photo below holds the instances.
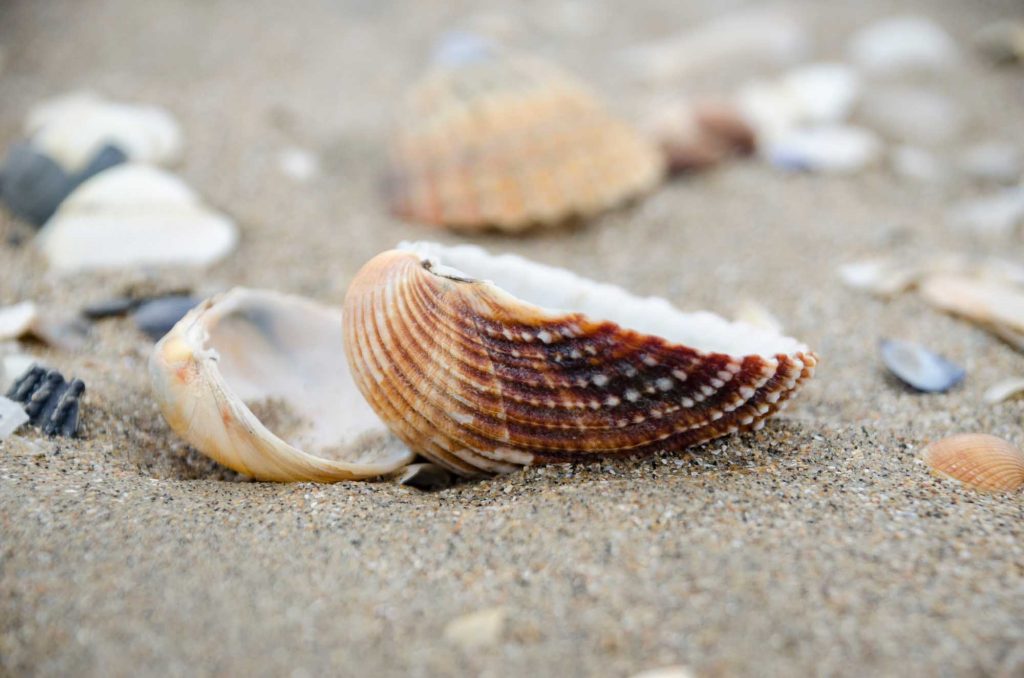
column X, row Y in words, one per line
column 979, row 461
column 253, row 351
column 508, row 141
column 481, row 381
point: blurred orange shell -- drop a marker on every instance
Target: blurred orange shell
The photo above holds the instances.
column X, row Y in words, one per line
column 482, row 381
column 980, row 461
column 508, row 142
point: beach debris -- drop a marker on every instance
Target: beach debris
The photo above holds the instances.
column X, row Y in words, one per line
column 73, row 128
column 918, row 164
column 1004, row 390
column 918, row 367
column 758, row 37
column 994, row 161
column 903, row 44
column 888, row 276
column 674, row 671
column 914, row 115
column 508, row 141
column 813, row 94
column 476, row 630
column 425, row 476
column 1002, row 42
column 135, row 216
column 256, row 380
column 998, row 215
column 24, row 320
column 838, row 149
column 50, row 401
column 33, row 185
column 576, row 383
column 700, row 134
column 979, row 461
column 156, row 317
column 298, row 164
column 989, row 302
column 12, row 417
column 753, row 313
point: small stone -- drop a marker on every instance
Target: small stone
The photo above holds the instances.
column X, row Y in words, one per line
column 998, row 215
column 476, row 629
column 839, row 149
column 992, row 161
column 33, row 185
column 914, row 115
column 426, row 477
column 298, row 164
column 12, row 417
column 918, row 367
column 903, row 44
column 110, row 308
column 155, row 318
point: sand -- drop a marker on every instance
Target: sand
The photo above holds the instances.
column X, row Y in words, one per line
column 819, row 545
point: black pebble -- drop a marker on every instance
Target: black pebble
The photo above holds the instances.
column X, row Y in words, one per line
column 157, row 317
column 51, row 402
column 110, row 308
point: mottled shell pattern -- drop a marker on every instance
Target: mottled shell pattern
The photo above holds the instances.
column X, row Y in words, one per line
column 253, row 347
column 481, row 381
column 499, row 140
column 979, row 461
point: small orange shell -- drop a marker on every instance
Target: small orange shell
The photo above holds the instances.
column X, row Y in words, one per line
column 978, row 460
column 482, row 382
column 509, row 141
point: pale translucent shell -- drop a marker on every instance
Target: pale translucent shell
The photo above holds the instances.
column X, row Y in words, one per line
column 248, row 346
column 509, row 142
column 980, row 461
column 482, row 382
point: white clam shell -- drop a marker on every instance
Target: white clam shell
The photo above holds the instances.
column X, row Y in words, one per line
column 250, row 346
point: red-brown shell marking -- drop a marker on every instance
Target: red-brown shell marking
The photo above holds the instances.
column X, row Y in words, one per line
column 481, row 382
column 508, row 142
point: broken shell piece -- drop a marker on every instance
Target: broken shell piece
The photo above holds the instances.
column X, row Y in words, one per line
column 74, row 127
column 131, row 216
column 995, row 305
column 476, row 377
column 281, row 355
column 50, row 401
column 1004, row 390
column 700, row 134
column 25, row 320
column 918, row 367
column 12, row 417
column 506, row 141
column 977, row 460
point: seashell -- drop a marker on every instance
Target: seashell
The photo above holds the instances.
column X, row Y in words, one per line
column 12, row 417
column 996, row 305
column 839, row 149
column 1004, row 390
column 918, row 367
column 26, row 321
column 700, row 134
column 135, row 215
column 490, row 139
column 251, row 346
column 74, row 127
column 903, row 44
column 477, row 378
column 980, row 461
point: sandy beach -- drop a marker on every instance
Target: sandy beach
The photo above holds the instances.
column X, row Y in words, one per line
column 820, row 545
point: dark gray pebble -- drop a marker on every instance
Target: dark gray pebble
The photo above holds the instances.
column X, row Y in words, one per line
column 157, row 317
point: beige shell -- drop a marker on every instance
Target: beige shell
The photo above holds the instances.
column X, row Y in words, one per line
column 700, row 134
column 481, row 381
column 507, row 141
column 980, row 461
column 284, row 353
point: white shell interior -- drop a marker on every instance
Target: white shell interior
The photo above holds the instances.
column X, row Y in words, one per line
column 558, row 290
column 273, row 347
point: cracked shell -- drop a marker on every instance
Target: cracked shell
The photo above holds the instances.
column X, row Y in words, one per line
column 483, row 377
column 505, row 141
column 249, row 351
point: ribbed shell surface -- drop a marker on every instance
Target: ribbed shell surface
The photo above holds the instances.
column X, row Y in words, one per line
column 481, row 382
column 509, row 142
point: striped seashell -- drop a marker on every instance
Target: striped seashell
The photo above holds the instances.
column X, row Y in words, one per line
column 495, row 140
column 979, row 461
column 249, row 347
column 478, row 379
